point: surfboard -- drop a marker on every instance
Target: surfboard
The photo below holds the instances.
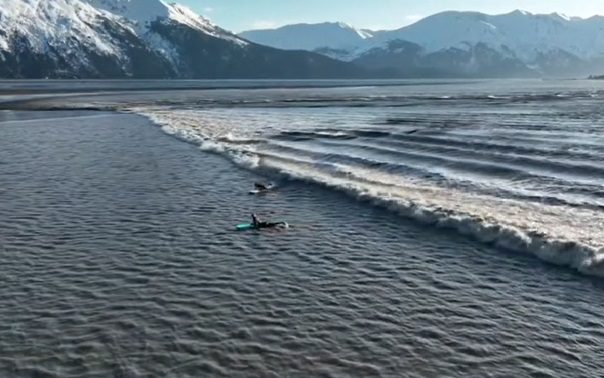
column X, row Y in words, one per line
column 244, row 227
column 249, row 226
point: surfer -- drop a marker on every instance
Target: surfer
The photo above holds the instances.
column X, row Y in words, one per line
column 262, row 187
column 257, row 223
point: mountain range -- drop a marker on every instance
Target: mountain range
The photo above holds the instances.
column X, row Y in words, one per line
column 458, row 44
column 156, row 39
column 139, row 39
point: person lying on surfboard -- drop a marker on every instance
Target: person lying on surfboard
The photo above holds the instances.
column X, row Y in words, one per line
column 263, row 187
column 260, row 224
column 257, row 223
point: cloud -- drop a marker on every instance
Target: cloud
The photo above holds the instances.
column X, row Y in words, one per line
column 208, row 10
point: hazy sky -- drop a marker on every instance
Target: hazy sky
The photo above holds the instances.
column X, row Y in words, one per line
column 239, row 15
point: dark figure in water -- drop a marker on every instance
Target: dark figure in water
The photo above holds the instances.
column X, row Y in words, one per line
column 260, row 224
column 257, row 223
column 261, row 186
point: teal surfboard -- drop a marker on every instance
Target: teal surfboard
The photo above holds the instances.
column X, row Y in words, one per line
column 249, row 226
column 245, row 226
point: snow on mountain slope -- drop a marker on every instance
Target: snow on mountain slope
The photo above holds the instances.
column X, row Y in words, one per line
column 523, row 33
column 533, row 40
column 476, row 44
column 330, row 35
column 65, row 26
column 61, row 23
column 142, row 13
column 46, row 24
column 140, row 39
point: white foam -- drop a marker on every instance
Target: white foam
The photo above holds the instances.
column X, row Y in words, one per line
column 475, row 218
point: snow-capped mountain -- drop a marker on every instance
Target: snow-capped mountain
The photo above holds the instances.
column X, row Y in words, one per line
column 332, row 35
column 138, row 38
column 524, row 33
column 142, row 13
column 157, row 39
column 471, row 43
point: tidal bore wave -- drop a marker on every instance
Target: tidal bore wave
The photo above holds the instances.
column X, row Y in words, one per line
column 564, row 232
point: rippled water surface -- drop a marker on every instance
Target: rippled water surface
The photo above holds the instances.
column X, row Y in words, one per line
column 422, row 217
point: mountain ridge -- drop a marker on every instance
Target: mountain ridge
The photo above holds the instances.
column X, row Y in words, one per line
column 157, row 39
column 301, row 37
column 517, row 43
column 139, row 39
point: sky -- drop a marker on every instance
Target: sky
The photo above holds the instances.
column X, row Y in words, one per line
column 240, row 15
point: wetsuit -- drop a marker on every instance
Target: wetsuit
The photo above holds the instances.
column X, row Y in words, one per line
column 258, row 224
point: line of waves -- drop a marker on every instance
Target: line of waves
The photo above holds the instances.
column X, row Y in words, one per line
column 547, row 204
column 277, row 97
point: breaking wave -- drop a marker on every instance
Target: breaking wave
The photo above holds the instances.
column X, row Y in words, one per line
column 446, row 177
